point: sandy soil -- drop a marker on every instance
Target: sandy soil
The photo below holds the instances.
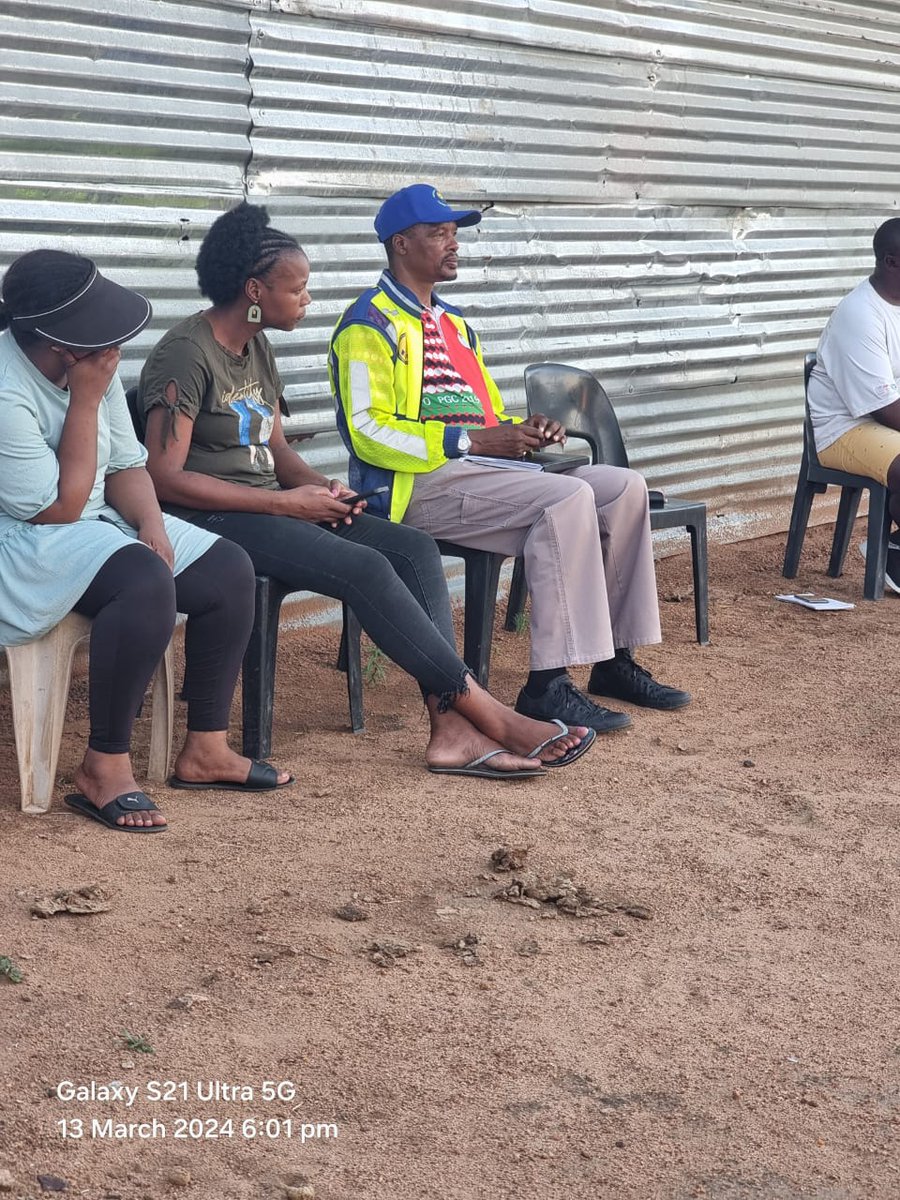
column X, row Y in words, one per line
column 742, row 1042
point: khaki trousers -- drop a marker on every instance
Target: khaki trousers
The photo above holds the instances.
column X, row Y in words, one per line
column 585, row 539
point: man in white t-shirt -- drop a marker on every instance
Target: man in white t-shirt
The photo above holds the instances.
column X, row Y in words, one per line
column 854, row 393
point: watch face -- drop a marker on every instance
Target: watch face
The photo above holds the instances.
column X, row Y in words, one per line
column 464, row 443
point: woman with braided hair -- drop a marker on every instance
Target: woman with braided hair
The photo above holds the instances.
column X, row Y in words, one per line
column 81, row 528
column 213, row 403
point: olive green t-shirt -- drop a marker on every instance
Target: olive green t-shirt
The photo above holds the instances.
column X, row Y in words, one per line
column 229, row 397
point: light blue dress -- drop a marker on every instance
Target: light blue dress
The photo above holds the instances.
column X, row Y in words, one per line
column 46, row 569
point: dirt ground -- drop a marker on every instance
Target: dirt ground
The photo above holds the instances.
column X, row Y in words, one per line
column 720, row 1022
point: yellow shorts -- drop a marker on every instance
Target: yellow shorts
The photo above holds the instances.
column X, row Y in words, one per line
column 869, row 449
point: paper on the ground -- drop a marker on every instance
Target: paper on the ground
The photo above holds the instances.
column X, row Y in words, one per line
column 506, row 464
column 813, row 600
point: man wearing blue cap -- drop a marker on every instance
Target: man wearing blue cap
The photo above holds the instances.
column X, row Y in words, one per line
column 415, row 400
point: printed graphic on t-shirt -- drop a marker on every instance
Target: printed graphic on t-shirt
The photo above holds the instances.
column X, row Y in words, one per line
column 245, row 402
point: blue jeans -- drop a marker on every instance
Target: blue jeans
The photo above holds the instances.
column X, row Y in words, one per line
column 390, row 575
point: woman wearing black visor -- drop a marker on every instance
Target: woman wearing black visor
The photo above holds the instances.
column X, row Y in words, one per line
column 80, row 528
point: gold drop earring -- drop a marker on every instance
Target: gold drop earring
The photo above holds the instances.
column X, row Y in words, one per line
column 254, row 314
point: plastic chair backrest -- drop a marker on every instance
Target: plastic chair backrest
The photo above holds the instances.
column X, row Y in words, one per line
column 809, row 361
column 131, row 399
column 575, row 399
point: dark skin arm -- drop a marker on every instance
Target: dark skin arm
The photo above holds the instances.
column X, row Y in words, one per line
column 88, row 378
column 303, row 494
column 514, row 441
column 131, row 494
column 292, row 472
column 889, row 415
column 290, row 469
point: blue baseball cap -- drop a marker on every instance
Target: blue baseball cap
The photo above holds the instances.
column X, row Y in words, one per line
column 419, row 203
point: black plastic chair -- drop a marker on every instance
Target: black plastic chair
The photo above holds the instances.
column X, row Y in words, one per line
column 577, row 400
column 482, row 574
column 813, row 478
column 258, row 671
column 258, row 668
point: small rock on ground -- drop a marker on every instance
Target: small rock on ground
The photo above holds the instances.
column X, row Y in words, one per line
column 80, row 902
column 52, row 1183
column 509, row 858
column 351, row 912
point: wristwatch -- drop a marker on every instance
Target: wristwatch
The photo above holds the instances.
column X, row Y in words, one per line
column 464, row 444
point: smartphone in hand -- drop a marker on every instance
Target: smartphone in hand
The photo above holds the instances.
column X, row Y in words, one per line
column 351, row 500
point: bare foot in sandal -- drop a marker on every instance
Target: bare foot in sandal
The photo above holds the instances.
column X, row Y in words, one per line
column 104, row 778
column 519, row 734
column 207, row 761
column 457, row 747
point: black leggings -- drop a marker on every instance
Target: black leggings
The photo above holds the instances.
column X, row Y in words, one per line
column 133, row 600
column 390, row 575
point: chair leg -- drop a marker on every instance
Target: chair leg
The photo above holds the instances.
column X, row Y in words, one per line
column 482, row 580
column 518, row 592
column 162, row 718
column 341, row 664
column 350, row 652
column 803, row 498
column 39, row 676
column 843, row 529
column 258, row 699
column 700, row 565
column 879, row 529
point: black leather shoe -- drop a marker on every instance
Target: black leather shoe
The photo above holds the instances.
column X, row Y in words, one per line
column 623, row 679
column 563, row 700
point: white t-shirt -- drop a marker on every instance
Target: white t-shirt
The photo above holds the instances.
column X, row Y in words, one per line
column 857, row 364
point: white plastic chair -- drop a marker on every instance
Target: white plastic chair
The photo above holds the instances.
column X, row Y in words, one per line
column 39, row 676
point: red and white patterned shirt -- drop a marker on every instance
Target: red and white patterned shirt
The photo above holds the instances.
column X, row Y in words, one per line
column 453, row 387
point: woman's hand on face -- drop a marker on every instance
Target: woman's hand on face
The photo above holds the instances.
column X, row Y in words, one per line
column 315, row 502
column 89, row 375
column 153, row 534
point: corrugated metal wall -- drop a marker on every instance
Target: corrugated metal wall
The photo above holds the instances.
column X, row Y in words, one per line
column 125, row 127
column 682, row 191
